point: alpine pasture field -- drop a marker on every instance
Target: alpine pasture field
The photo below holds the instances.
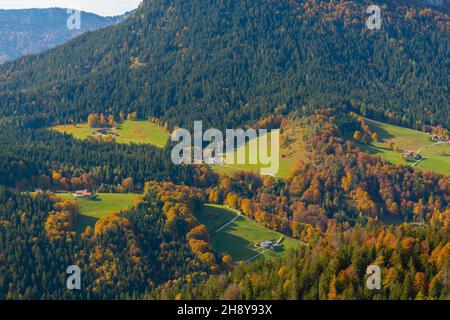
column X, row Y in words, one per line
column 436, row 157
column 139, row 132
column 292, row 149
column 238, row 237
column 92, row 210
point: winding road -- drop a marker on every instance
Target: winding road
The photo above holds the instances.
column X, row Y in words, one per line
column 424, row 148
column 239, row 214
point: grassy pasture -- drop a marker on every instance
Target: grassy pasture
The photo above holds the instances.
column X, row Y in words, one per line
column 92, row 210
column 236, row 239
column 292, row 149
column 139, row 132
column 437, row 157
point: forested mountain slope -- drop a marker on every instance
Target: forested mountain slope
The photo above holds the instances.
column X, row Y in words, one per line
column 232, row 61
column 229, row 62
column 123, row 257
column 30, row 31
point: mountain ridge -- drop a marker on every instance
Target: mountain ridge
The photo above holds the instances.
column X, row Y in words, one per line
column 229, row 62
column 28, row 31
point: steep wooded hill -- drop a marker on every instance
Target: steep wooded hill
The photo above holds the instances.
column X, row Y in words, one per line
column 231, row 61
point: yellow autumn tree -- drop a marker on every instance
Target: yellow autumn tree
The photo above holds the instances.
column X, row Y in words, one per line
column 357, row 136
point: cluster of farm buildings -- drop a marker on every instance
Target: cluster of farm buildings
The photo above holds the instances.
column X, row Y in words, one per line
column 80, row 194
column 440, row 138
column 415, row 156
column 411, row 155
column 84, row 194
column 103, row 132
column 267, row 244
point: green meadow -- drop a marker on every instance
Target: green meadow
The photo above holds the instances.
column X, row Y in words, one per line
column 139, row 132
column 436, row 157
column 290, row 153
column 238, row 237
column 92, row 210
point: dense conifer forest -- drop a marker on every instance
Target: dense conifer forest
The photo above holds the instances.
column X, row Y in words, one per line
column 228, row 62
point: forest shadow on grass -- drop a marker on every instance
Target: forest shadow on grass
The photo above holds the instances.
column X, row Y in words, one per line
column 85, row 221
column 370, row 149
column 280, row 248
column 382, row 133
column 214, row 217
column 236, row 246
